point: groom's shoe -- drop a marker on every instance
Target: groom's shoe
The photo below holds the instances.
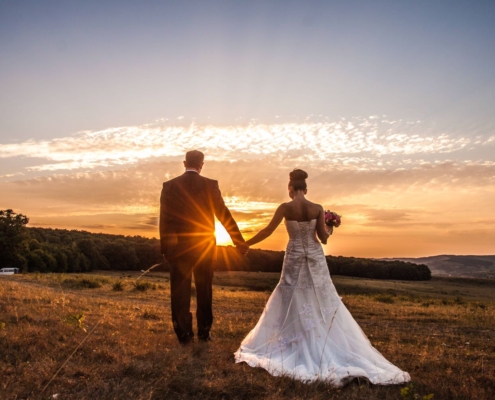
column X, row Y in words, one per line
column 186, row 343
column 204, row 334
column 186, row 339
column 205, row 338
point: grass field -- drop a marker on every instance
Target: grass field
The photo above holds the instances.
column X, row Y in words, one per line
column 101, row 336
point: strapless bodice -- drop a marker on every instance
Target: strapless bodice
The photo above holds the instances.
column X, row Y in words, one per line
column 303, row 233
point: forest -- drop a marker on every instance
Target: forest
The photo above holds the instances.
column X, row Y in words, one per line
column 60, row 250
column 271, row 261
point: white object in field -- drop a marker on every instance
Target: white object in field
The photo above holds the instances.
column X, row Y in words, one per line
column 9, row 271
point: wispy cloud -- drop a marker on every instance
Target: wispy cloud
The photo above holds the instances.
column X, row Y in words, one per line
column 360, row 143
column 246, row 186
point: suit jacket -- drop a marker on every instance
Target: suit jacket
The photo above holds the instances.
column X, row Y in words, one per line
column 188, row 206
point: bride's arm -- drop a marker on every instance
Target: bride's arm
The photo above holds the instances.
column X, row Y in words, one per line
column 264, row 233
column 322, row 230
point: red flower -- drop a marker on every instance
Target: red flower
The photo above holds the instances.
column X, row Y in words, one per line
column 332, row 218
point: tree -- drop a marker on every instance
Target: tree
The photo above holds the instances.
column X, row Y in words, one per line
column 41, row 261
column 13, row 237
column 120, row 255
column 91, row 252
column 148, row 254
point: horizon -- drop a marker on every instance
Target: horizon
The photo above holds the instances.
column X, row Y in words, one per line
column 219, row 244
column 388, row 107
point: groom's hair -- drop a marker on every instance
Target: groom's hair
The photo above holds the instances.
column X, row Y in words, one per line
column 194, row 159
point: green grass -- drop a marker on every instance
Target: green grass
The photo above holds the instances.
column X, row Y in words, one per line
column 82, row 283
column 143, row 286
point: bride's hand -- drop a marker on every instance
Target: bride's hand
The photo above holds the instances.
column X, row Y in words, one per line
column 242, row 248
column 329, row 229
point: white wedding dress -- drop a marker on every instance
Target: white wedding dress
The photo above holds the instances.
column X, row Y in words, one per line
column 305, row 331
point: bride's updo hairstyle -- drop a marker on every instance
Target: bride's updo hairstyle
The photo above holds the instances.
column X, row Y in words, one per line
column 298, row 179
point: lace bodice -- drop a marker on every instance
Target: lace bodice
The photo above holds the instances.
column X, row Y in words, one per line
column 305, row 266
column 302, row 233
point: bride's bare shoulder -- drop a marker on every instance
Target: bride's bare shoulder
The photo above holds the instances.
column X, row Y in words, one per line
column 315, row 205
column 283, row 207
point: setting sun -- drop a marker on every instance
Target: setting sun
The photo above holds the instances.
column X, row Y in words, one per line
column 221, row 234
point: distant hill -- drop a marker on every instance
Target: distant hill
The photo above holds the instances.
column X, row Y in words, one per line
column 456, row 266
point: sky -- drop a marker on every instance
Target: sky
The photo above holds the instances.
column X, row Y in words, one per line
column 388, row 105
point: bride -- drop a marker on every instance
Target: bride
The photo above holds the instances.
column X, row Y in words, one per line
column 305, row 331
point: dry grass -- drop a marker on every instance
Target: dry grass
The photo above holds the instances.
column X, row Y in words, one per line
column 446, row 341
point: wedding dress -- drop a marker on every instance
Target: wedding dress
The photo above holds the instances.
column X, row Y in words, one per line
column 305, row 331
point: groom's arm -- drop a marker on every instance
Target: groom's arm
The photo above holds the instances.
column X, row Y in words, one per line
column 164, row 222
column 223, row 214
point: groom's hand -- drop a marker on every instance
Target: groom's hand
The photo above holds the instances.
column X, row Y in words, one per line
column 242, row 248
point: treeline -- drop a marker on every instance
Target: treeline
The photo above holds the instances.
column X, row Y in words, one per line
column 377, row 269
column 228, row 259
column 61, row 250
column 271, row 261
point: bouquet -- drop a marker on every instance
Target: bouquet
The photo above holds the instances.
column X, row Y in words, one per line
column 332, row 219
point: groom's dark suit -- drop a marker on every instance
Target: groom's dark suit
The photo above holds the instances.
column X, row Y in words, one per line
column 188, row 206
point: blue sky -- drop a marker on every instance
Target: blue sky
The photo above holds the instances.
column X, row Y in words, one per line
column 68, row 66
column 388, row 104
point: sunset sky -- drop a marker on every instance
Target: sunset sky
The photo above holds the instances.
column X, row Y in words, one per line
column 388, row 105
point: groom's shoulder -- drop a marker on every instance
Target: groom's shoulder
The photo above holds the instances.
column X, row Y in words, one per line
column 182, row 179
column 209, row 181
column 170, row 182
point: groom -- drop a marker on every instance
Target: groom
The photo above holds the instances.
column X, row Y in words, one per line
column 188, row 206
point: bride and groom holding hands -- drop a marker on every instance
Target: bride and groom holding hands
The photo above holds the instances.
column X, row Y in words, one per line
column 305, row 331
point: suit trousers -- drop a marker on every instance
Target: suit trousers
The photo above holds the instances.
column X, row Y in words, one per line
column 181, row 271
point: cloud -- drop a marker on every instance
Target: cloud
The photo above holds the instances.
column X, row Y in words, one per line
column 247, row 186
column 96, row 226
column 391, row 180
column 10, row 176
column 388, row 216
column 127, row 200
column 359, row 143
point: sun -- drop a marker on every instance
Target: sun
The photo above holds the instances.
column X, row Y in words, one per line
column 221, row 234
